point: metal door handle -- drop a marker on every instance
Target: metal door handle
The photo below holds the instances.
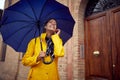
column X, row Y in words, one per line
column 96, row 53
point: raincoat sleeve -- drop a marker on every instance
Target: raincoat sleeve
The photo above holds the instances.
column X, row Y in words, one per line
column 29, row 59
column 58, row 46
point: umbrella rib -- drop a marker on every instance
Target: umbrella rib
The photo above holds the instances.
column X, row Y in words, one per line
column 3, row 21
column 21, row 13
column 53, row 12
column 35, row 32
column 64, row 19
column 25, row 36
column 32, row 9
column 65, row 31
column 42, row 9
column 18, row 30
column 15, row 22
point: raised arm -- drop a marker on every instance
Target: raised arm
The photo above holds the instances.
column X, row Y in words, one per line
column 58, row 46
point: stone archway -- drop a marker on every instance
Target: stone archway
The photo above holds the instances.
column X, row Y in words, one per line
column 78, row 38
column 81, row 44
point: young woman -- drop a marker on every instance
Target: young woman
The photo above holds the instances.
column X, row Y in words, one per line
column 42, row 60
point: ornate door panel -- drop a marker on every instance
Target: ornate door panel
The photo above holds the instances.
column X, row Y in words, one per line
column 97, row 47
column 115, row 36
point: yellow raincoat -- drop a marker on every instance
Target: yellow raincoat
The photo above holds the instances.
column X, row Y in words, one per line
column 39, row 70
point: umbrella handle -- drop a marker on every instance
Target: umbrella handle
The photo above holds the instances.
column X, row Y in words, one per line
column 43, row 60
column 41, row 44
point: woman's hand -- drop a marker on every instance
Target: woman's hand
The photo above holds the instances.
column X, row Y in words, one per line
column 41, row 55
column 58, row 31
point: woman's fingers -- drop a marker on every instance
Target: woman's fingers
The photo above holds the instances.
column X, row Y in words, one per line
column 58, row 31
column 42, row 54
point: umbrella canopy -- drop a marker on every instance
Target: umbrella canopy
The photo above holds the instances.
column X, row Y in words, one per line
column 25, row 20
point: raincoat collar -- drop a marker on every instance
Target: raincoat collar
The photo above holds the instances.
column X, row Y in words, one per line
column 43, row 35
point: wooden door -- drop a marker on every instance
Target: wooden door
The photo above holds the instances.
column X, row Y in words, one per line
column 102, row 45
column 115, row 36
column 97, row 47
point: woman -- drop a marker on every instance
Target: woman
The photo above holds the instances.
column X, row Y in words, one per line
column 36, row 56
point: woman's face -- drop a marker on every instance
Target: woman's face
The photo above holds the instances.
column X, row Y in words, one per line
column 51, row 25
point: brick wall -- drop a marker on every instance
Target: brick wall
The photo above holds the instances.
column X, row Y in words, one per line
column 71, row 66
column 81, row 63
column 8, row 68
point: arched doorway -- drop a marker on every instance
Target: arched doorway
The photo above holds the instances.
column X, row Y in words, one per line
column 102, row 40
